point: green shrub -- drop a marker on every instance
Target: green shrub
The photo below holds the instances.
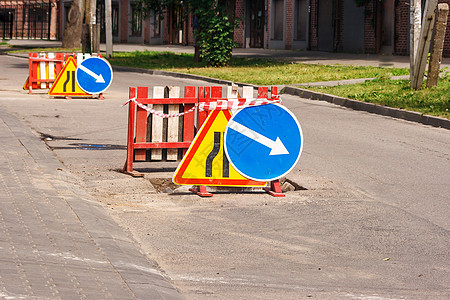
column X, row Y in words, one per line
column 216, row 40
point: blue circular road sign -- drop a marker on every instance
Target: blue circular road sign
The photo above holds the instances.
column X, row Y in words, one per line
column 263, row 142
column 94, row 75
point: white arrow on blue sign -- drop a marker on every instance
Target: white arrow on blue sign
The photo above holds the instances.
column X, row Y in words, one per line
column 263, row 143
column 94, row 75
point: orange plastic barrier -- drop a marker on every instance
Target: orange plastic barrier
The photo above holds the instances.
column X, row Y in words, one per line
column 43, row 69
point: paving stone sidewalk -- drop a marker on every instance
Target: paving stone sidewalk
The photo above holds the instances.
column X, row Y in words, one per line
column 55, row 241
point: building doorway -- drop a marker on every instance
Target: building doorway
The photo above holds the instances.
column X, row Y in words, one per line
column 256, row 22
column 385, row 26
column 176, row 29
column 325, row 34
column 6, row 23
column 100, row 13
column 301, row 24
column 353, row 37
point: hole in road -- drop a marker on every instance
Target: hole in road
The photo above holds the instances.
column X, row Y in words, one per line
column 290, row 185
column 48, row 137
column 80, row 146
column 163, row 185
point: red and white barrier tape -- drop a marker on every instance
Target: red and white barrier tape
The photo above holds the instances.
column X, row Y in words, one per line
column 227, row 104
column 220, row 104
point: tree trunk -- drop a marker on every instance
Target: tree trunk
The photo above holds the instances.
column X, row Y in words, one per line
column 438, row 45
column 88, row 42
column 197, row 29
column 423, row 47
column 72, row 30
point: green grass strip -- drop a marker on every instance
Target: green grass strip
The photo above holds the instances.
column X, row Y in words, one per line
column 251, row 70
column 398, row 93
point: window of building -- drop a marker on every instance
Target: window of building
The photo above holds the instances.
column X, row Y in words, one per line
column 278, row 19
column 155, row 20
column 300, row 14
column 115, row 18
column 136, row 19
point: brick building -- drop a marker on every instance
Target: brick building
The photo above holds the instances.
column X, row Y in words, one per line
column 360, row 26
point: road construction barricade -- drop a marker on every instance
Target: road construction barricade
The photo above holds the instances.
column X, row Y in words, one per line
column 162, row 128
column 43, row 68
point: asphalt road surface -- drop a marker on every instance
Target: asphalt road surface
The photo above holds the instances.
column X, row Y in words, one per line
column 372, row 223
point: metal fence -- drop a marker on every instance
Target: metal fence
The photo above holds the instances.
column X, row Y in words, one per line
column 28, row 19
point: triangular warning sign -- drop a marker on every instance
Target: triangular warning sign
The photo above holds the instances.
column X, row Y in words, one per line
column 66, row 83
column 205, row 162
column 26, row 85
